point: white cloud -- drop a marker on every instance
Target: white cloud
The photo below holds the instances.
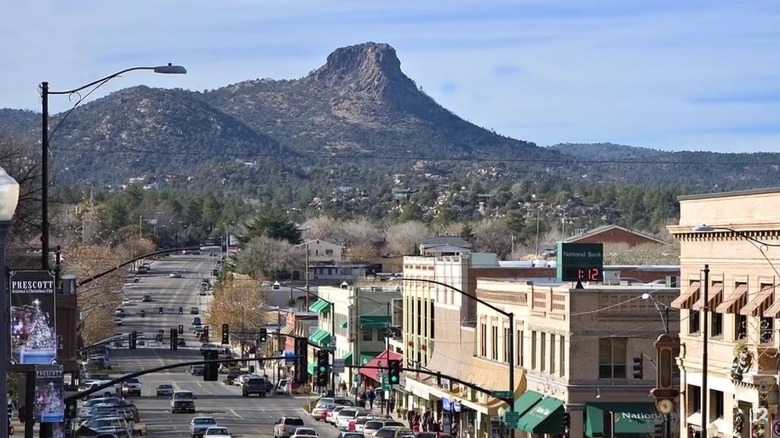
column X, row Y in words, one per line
column 655, row 73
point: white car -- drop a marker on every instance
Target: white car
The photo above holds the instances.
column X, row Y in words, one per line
column 175, row 275
column 105, row 392
column 304, row 432
column 333, row 415
column 345, row 416
column 127, row 302
column 217, row 432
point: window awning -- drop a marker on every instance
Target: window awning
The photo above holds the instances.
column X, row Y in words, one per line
column 287, row 330
column 760, row 302
column 366, row 357
column 348, row 359
column 320, row 306
column 320, row 337
column 736, row 300
column 527, row 401
column 545, row 417
column 344, row 324
column 687, row 297
column 773, row 311
column 374, row 322
column 379, row 361
column 630, row 418
column 714, row 298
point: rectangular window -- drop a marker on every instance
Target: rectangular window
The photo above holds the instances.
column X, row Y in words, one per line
column 505, row 357
column 612, row 358
column 494, row 343
column 716, row 327
column 542, row 351
column 694, row 323
column 740, row 327
column 562, row 354
column 717, row 403
column 694, row 398
column 483, row 340
column 432, row 314
column 552, row 354
column 368, row 335
column 520, row 346
column 533, row 349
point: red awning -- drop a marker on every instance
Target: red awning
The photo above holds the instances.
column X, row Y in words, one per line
column 379, row 361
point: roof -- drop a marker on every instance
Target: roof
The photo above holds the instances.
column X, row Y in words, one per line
column 446, row 241
column 379, row 361
column 604, row 228
column 445, row 249
column 762, row 191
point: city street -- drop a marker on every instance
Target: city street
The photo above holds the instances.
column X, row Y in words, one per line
column 248, row 417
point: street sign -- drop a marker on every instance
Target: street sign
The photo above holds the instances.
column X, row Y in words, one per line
column 776, row 429
column 511, row 419
column 385, row 385
column 501, row 394
column 338, row 366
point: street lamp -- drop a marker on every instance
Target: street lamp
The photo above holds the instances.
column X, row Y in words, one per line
column 45, row 137
column 9, row 197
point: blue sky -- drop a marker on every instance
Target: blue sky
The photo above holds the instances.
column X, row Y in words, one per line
column 664, row 74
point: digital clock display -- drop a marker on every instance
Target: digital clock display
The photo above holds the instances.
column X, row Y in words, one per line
column 577, row 273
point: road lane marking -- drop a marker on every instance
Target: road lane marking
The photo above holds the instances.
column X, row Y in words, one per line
column 236, row 414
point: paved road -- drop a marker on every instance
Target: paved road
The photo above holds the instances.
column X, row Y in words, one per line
column 247, row 417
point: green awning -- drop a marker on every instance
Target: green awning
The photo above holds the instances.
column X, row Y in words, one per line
column 348, row 359
column 366, row 357
column 631, row 418
column 320, row 306
column 344, row 324
column 544, row 417
column 527, row 401
column 374, row 322
column 310, row 368
column 320, row 337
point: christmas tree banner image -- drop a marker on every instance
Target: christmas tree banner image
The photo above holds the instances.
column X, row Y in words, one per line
column 32, row 316
column 49, row 406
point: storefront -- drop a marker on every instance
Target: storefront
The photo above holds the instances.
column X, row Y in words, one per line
column 630, row 419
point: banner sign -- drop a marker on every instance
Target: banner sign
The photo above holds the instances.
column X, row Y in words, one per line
column 32, row 317
column 49, row 406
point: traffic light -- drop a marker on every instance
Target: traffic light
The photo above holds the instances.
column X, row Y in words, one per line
column 71, row 409
column 211, row 370
column 639, row 365
column 133, row 342
column 181, row 310
column 181, row 329
column 225, row 334
column 174, row 339
column 143, row 313
column 323, row 368
column 263, row 335
column 393, row 371
column 160, row 310
column 566, row 421
column 301, row 360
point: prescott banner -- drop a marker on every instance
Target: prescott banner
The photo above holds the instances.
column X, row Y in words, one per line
column 32, row 317
column 49, row 406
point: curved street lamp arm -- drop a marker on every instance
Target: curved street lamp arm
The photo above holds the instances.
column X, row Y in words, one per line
column 169, row 69
column 742, row 234
column 473, row 297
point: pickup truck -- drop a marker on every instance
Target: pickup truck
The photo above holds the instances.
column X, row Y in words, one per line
column 131, row 387
column 183, row 401
column 105, row 392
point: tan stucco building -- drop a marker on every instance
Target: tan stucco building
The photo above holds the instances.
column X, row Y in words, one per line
column 739, row 245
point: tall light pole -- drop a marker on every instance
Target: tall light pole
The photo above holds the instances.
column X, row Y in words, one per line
column 45, row 137
column 9, row 197
column 704, row 347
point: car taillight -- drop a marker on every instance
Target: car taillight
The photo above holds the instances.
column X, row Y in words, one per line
column 351, row 425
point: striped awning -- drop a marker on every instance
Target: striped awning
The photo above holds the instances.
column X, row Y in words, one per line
column 714, row 297
column 735, row 301
column 760, row 302
column 688, row 296
column 320, row 306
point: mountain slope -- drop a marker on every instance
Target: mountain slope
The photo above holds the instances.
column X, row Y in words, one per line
column 143, row 131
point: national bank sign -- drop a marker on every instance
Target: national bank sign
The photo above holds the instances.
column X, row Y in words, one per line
column 655, row 417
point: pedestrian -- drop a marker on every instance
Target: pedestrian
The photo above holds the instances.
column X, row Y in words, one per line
column 371, row 397
column 391, row 402
column 410, row 417
column 426, row 419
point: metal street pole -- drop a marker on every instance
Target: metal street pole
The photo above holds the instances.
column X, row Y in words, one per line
column 306, row 274
column 704, row 347
column 4, row 343
column 45, row 137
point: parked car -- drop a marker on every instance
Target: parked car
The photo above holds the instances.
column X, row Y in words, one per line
column 286, row 426
column 164, row 389
column 393, row 432
column 175, row 274
column 194, row 310
column 199, row 425
column 105, row 392
column 350, row 435
column 326, row 404
column 147, row 298
column 333, row 414
column 232, row 375
column 304, row 432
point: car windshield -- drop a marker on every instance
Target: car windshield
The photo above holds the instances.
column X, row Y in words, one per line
column 373, row 424
column 182, row 395
column 293, row 421
column 393, row 424
column 302, row 431
column 217, row 431
column 205, row 421
column 165, row 386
